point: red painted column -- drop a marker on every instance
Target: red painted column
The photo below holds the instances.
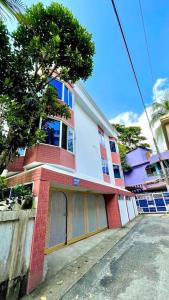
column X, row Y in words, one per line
column 41, row 189
column 113, row 213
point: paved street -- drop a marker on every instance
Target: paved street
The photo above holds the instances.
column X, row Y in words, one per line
column 137, row 267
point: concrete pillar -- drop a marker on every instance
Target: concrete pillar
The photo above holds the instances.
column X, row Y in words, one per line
column 35, row 276
column 113, row 212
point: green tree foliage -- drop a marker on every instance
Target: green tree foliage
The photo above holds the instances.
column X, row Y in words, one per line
column 50, row 43
column 130, row 137
column 159, row 109
column 122, row 150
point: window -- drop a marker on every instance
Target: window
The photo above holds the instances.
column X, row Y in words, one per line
column 64, row 136
column 56, row 136
column 63, row 92
column 105, row 168
column 116, row 170
column 52, row 128
column 70, row 139
column 101, row 138
column 151, row 171
column 112, row 146
column 58, row 86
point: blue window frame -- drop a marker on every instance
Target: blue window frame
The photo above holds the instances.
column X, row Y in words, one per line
column 70, row 100
column 55, row 136
column 105, row 168
column 116, row 169
column 112, row 146
column 63, row 92
column 58, row 85
column 70, row 139
column 52, row 129
column 66, row 95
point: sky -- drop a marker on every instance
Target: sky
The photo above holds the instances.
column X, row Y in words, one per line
column 112, row 85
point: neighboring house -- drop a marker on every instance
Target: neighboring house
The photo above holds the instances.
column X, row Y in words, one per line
column 165, row 128
column 146, row 174
column 77, row 178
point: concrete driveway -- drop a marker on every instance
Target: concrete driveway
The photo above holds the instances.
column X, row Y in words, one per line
column 136, row 268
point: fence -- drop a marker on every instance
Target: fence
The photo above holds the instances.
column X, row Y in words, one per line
column 153, row 202
column 16, row 228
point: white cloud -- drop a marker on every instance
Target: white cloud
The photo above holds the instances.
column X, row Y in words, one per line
column 128, row 118
column 160, row 91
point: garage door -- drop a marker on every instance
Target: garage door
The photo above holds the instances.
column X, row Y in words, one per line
column 130, row 208
column 57, row 223
column 73, row 216
column 123, row 210
column 78, row 215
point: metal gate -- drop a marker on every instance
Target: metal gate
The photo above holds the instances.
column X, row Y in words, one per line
column 123, row 210
column 130, row 207
column 153, row 202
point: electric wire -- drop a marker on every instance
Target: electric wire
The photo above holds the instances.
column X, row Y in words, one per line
column 132, row 65
column 136, row 78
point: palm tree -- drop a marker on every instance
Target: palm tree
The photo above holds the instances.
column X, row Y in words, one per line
column 159, row 109
column 11, row 7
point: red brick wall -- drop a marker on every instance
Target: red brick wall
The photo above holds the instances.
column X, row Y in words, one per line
column 119, row 182
column 103, row 152
column 41, row 188
column 115, row 158
column 17, row 164
column 113, row 213
column 42, row 179
column 69, row 121
column 49, row 154
column 106, row 178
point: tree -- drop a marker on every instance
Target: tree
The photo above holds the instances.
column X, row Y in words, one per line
column 159, row 109
column 131, row 137
column 123, row 151
column 51, row 43
column 11, row 7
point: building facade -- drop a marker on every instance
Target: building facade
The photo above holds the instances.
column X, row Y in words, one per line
column 145, row 174
column 76, row 177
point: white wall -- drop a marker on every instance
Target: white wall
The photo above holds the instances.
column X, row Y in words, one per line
column 87, row 147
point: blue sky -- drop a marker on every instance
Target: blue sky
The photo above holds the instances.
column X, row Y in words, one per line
column 112, row 85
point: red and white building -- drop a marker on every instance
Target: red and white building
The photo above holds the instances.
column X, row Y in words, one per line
column 76, row 178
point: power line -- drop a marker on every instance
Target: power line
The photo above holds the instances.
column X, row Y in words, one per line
column 131, row 63
column 146, row 42
column 138, row 86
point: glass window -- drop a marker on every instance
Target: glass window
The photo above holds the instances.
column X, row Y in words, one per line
column 64, row 136
column 57, row 85
column 52, row 128
column 70, row 100
column 116, row 170
column 70, row 139
column 66, row 95
column 112, row 146
column 105, row 168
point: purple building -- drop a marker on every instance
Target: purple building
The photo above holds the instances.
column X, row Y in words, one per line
column 145, row 174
